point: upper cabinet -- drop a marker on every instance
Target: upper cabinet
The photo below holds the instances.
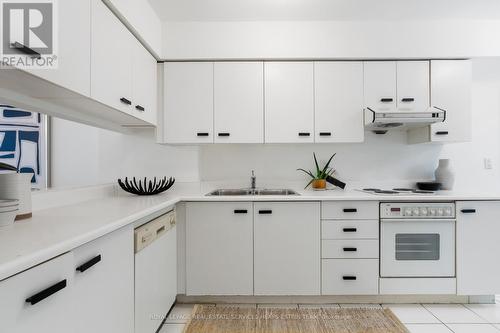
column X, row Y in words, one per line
column 338, row 101
column 392, row 86
column 188, row 102
column 289, row 102
column 239, row 102
column 144, row 84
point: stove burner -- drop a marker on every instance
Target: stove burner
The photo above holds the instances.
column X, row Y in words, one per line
column 386, row 192
column 423, row 192
column 371, row 189
column 403, row 189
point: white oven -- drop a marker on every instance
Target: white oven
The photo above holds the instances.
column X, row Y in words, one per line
column 417, row 240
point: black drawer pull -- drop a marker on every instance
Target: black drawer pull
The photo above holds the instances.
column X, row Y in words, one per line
column 125, row 101
column 325, row 134
column 140, row 108
column 349, row 278
column 387, row 100
column 26, row 50
column 468, row 211
column 202, row 134
column 46, row 293
column 82, row 268
column 350, row 210
column 304, row 134
column 224, row 134
column 265, row 211
column 408, row 100
column 350, row 249
column 349, row 229
column 240, row 211
column 442, row 133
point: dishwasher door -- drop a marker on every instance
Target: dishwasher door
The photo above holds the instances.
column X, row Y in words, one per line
column 155, row 272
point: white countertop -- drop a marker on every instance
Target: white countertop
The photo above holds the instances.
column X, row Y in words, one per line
column 56, row 230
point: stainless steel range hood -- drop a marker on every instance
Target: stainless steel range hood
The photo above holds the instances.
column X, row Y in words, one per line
column 380, row 122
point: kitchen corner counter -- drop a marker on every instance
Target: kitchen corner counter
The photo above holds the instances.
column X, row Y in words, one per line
column 56, row 230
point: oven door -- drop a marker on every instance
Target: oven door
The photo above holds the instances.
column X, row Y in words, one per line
column 417, row 248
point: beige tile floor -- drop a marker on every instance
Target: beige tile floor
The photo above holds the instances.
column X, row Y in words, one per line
column 419, row 318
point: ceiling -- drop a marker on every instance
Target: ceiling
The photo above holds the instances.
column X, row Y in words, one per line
column 257, row 10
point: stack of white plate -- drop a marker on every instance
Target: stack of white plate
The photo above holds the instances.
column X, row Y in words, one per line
column 8, row 211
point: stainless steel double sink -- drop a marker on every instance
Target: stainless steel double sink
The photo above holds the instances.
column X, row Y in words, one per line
column 249, row 191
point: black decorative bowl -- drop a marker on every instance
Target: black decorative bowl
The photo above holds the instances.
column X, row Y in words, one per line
column 145, row 187
column 429, row 186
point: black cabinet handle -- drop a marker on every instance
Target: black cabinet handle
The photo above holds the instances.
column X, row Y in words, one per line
column 224, row 134
column 349, row 229
column 325, row 134
column 304, row 134
column 349, row 278
column 468, row 211
column 240, row 211
column 387, row 100
column 202, row 134
column 265, row 212
column 46, row 293
column 125, row 101
column 442, row 133
column 140, row 108
column 408, row 100
column 26, row 50
column 350, row 249
column 350, row 210
column 82, row 268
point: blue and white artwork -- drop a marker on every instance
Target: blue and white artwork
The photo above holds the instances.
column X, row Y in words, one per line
column 22, row 142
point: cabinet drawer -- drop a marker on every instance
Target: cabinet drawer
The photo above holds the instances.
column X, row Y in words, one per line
column 349, row 249
column 350, row 276
column 343, row 210
column 350, row 229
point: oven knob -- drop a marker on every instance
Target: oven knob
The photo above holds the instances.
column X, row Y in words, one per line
column 416, row 212
column 432, row 212
column 440, row 212
column 407, row 212
column 447, row 212
column 423, row 211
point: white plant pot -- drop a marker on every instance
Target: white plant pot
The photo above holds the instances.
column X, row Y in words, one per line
column 17, row 186
column 445, row 175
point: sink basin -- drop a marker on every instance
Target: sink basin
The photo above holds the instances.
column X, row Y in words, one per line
column 240, row 192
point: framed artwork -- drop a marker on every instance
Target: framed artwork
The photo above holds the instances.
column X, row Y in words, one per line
column 23, row 142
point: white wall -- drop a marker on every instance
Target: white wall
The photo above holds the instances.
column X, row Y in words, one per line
column 380, row 157
column 331, row 39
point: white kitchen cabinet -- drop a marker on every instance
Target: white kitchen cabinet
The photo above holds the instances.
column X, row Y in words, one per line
column 112, row 46
column 239, row 102
column 338, row 100
column 413, row 86
column 219, row 248
column 350, row 276
column 188, row 102
column 48, row 287
column 144, row 84
column 380, row 85
column 289, row 102
column 478, row 227
column 103, row 294
column 287, row 248
column 73, row 51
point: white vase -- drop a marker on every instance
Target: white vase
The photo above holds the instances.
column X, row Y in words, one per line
column 17, row 186
column 444, row 174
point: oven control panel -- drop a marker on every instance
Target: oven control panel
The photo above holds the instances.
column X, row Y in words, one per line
column 412, row 210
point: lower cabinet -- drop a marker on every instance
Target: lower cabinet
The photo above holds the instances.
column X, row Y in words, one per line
column 287, row 248
column 219, row 248
column 103, row 293
column 350, row 276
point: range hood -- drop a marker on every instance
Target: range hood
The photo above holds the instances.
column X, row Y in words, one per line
column 380, row 122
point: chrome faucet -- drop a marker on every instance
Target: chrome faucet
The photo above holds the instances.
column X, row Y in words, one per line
column 253, row 180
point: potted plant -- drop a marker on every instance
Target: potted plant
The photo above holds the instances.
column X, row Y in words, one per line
column 319, row 177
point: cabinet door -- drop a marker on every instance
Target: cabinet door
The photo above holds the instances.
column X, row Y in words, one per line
column 144, row 84
column 112, row 43
column 451, row 91
column 219, row 248
column 338, row 101
column 289, row 102
column 239, row 102
column 53, row 313
column 287, row 248
column 413, row 86
column 104, row 284
column 380, row 85
column 478, row 227
column 189, row 102
column 73, row 71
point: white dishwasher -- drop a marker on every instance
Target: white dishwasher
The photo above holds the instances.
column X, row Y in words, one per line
column 155, row 272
